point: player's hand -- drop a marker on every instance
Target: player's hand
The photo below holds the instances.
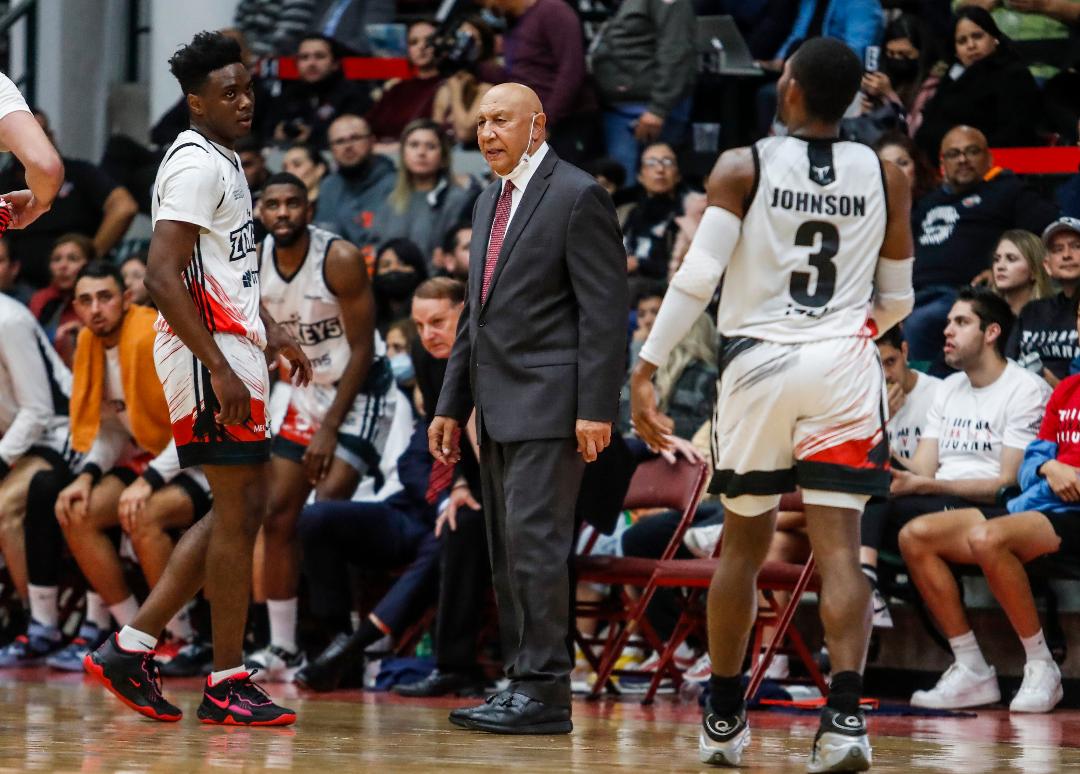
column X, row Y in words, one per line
column 897, row 398
column 1063, row 480
column 680, row 447
column 234, row 400
column 133, row 503
column 443, row 441
column 905, row 483
column 319, row 454
column 460, row 497
column 654, row 428
column 592, row 438
column 648, row 127
column 279, row 342
column 25, row 208
column 72, row 501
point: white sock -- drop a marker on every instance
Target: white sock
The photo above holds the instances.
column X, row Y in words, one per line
column 282, row 614
column 180, row 625
column 125, row 612
column 97, row 612
column 966, row 650
column 225, row 674
column 43, row 605
column 1035, row 647
column 134, row 640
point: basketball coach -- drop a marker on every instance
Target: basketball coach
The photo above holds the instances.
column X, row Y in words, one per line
column 540, row 355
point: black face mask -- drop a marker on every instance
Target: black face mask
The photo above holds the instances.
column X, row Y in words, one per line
column 396, row 285
column 900, row 69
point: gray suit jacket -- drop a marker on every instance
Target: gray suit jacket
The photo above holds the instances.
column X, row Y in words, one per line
column 548, row 347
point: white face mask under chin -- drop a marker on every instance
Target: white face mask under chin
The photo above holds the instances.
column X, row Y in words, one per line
column 525, row 157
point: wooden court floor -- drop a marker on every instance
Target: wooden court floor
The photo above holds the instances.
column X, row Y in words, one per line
column 62, row 723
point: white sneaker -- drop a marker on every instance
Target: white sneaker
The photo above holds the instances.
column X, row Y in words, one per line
column 701, row 541
column 1041, row 690
column 682, row 659
column 882, row 616
column 700, row 671
column 779, row 668
column 722, row 739
column 960, row 687
column 275, row 664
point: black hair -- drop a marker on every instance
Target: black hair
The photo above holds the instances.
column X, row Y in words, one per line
column 285, row 178
column 102, row 269
column 894, row 337
column 449, row 241
column 407, row 252
column 908, row 26
column 990, row 308
column 829, row 74
column 980, row 17
column 336, row 51
column 248, row 144
column 207, row 51
column 609, row 168
column 652, row 289
column 309, row 150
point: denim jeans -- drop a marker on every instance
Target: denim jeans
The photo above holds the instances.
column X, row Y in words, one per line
column 924, row 329
column 619, row 132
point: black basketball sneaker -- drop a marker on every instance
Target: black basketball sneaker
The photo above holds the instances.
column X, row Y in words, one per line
column 841, row 743
column 133, row 677
column 238, row 701
column 723, row 738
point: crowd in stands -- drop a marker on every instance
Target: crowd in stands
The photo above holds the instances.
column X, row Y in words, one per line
column 981, row 391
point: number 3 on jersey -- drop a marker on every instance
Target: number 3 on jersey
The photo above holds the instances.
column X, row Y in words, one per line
column 825, row 284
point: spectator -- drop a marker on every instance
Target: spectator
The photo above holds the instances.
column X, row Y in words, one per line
column 398, row 343
column 349, row 197
column 402, row 102
column 1038, row 29
column 452, row 258
column 911, row 394
column 981, row 420
column 544, row 49
column 253, row 161
column 307, row 164
column 399, row 268
column 1018, row 272
column 427, row 200
column 644, row 66
column 1044, row 338
column 902, row 151
column 306, row 107
column 53, row 306
column 957, row 225
column 987, row 87
column 609, row 173
column 457, row 101
column 89, row 203
column 856, row 22
column 10, row 284
column 649, row 226
column 694, row 203
column 133, row 270
column 646, row 307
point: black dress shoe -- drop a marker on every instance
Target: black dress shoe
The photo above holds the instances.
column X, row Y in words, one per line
column 444, row 683
column 328, row 669
column 516, row 713
column 463, row 716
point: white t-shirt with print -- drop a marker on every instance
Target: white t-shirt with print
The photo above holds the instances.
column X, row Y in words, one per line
column 905, row 427
column 973, row 425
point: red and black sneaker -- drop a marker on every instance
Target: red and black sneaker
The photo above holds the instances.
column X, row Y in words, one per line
column 133, row 678
column 237, row 701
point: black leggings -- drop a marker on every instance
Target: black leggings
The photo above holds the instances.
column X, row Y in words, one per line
column 44, row 540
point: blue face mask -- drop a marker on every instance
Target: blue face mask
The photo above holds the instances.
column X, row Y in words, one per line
column 401, row 365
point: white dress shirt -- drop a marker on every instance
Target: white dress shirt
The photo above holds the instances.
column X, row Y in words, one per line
column 521, row 176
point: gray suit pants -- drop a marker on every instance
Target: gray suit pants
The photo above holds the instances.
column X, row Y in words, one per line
column 530, row 489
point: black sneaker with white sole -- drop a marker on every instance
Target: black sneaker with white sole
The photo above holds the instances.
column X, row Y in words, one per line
column 841, row 743
column 723, row 738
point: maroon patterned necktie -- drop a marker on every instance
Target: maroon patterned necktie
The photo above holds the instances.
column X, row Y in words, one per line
column 498, row 231
column 441, row 476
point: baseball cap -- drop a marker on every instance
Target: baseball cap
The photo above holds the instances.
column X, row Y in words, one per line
column 1059, row 225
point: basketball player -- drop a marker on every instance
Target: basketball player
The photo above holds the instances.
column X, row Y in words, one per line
column 335, row 429
column 203, row 276
column 797, row 224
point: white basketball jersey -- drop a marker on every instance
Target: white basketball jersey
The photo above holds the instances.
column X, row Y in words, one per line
column 203, row 183
column 803, row 269
column 308, row 309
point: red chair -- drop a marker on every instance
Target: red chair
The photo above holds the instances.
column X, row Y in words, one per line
column 656, row 484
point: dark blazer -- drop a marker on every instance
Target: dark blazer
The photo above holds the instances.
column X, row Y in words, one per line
column 547, row 347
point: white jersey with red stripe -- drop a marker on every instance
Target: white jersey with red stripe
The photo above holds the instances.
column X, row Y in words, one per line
column 803, row 269
column 203, row 183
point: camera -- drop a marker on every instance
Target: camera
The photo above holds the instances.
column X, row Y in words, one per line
column 455, row 49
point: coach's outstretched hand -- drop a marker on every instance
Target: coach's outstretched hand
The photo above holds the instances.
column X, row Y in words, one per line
column 654, row 428
column 280, row 342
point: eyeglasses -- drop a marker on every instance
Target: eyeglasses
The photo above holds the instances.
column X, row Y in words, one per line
column 349, row 140
column 971, row 151
column 666, row 163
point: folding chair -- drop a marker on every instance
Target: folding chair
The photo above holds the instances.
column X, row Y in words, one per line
column 656, row 484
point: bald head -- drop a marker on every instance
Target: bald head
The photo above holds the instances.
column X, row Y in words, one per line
column 510, row 121
column 965, row 159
